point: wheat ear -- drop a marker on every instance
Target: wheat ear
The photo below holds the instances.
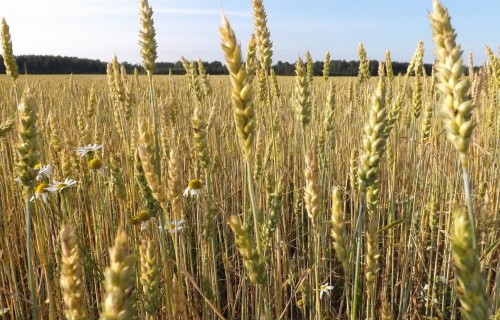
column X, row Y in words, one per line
column 241, row 93
column 262, row 35
column 339, row 233
column 6, row 126
column 147, row 35
column 364, row 65
column 150, row 277
column 254, row 264
column 456, row 109
column 471, row 285
column 8, row 55
column 119, row 282
column 326, row 66
column 72, row 284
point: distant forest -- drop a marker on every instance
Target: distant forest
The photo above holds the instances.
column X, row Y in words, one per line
column 42, row 64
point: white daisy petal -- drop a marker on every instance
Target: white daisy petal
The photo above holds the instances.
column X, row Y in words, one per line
column 82, row 151
column 60, row 186
column 174, row 226
column 44, row 172
column 324, row 288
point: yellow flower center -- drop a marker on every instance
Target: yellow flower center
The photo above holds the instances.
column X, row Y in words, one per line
column 300, row 304
column 40, row 188
column 95, row 164
column 143, row 215
column 195, row 184
column 38, row 166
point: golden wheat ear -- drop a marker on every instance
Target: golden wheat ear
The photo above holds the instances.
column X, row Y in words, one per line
column 71, row 281
column 150, row 278
column 241, row 93
column 8, row 54
column 119, row 282
column 471, row 285
column 254, row 264
column 147, row 40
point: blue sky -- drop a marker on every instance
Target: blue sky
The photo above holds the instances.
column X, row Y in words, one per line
column 98, row 29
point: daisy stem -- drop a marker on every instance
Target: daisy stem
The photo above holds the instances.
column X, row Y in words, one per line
column 31, row 278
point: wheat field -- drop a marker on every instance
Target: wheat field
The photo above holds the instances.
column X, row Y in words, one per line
column 251, row 196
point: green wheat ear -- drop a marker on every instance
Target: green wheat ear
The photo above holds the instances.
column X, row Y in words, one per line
column 147, row 39
column 119, row 283
column 8, row 54
column 150, row 277
column 28, row 140
column 471, row 285
column 262, row 35
column 254, row 264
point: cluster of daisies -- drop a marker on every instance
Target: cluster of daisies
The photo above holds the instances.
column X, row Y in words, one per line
column 143, row 218
column 44, row 172
column 88, row 151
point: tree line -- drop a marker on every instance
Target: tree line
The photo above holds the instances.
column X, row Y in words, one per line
column 43, row 64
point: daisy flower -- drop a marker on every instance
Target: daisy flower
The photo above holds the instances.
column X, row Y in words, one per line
column 142, row 218
column 60, row 186
column 174, row 226
column 324, row 288
column 97, row 165
column 193, row 189
column 40, row 193
column 90, row 149
column 43, row 171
